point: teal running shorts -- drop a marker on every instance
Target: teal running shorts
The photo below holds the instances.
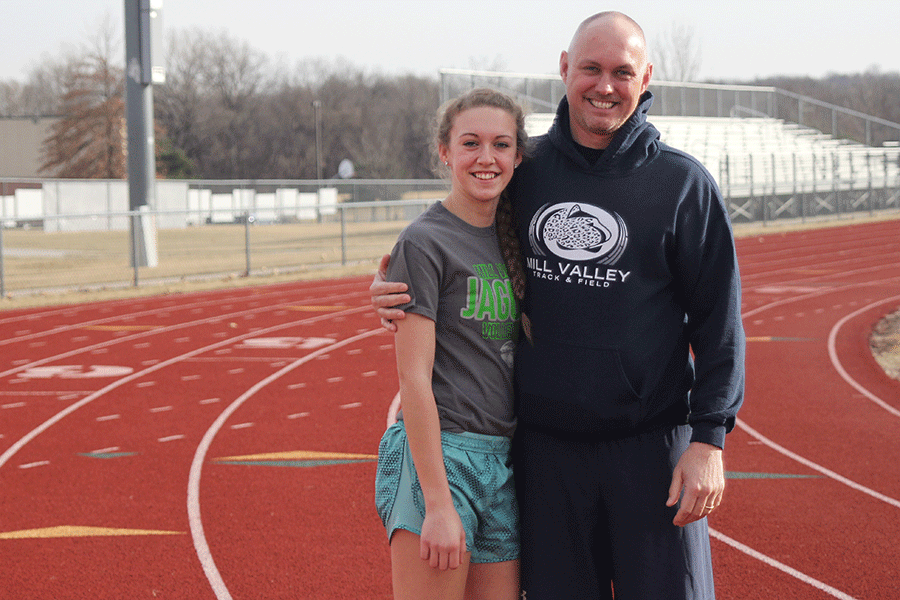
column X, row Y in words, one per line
column 480, row 475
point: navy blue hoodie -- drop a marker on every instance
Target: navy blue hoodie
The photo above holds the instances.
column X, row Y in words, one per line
column 631, row 268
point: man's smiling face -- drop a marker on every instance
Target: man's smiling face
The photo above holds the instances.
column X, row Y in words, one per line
column 605, row 71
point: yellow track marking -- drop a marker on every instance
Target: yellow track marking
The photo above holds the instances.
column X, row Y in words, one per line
column 67, row 531
column 302, row 455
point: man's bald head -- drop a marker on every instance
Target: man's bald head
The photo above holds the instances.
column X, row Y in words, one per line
column 610, row 17
column 605, row 71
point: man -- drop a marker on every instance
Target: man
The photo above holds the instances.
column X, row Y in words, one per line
column 631, row 270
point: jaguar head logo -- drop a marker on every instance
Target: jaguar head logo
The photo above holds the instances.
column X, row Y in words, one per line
column 578, row 232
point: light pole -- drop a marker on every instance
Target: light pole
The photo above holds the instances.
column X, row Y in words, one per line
column 317, row 105
column 143, row 60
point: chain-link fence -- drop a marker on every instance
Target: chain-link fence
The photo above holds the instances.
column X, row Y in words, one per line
column 74, row 235
column 60, row 236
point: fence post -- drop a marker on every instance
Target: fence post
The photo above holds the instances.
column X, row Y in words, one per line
column 343, row 235
column 869, row 177
column 774, row 200
column 135, row 224
column 248, row 219
column 2, row 246
column 835, row 179
column 802, row 194
column 2, row 252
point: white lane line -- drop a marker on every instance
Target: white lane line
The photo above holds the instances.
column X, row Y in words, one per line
column 193, row 496
column 817, row 467
column 823, row 292
column 160, row 409
column 351, row 405
column 141, row 313
column 779, row 565
column 780, row 449
column 40, row 463
column 107, row 418
column 242, row 425
column 171, row 438
column 836, row 361
column 24, row 440
column 13, row 405
column 21, row 365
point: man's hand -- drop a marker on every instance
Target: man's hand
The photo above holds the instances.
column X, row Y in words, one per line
column 701, row 474
column 386, row 294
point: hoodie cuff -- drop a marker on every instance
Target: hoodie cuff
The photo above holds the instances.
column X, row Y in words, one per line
column 708, row 433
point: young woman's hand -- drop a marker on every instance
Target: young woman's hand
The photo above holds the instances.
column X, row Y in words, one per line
column 443, row 539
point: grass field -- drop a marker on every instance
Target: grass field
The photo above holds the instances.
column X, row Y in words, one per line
column 40, row 268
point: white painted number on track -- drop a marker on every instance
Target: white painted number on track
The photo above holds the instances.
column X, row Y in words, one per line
column 76, row 372
column 310, row 343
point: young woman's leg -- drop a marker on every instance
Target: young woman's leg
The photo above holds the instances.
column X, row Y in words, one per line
column 415, row 579
column 493, row 581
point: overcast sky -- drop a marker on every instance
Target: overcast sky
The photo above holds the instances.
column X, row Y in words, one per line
column 740, row 40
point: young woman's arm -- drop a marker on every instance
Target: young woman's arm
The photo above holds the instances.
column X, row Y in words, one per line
column 443, row 540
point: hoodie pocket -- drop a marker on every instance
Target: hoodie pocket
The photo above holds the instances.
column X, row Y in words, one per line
column 574, row 388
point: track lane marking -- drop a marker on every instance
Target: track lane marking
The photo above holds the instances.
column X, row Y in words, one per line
column 780, row 449
column 817, row 467
column 66, row 312
column 70, row 531
column 193, row 500
column 779, row 565
column 836, row 361
column 28, row 437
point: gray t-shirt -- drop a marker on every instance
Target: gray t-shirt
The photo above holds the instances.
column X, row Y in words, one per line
column 457, row 278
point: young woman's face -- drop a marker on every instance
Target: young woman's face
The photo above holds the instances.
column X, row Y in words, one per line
column 481, row 153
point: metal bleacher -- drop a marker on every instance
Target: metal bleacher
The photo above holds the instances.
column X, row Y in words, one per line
column 769, row 168
column 756, row 141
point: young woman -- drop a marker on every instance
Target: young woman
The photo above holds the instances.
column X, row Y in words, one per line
column 444, row 487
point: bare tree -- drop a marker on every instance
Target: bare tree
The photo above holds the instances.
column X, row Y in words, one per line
column 677, row 56
column 41, row 92
column 89, row 140
column 211, row 104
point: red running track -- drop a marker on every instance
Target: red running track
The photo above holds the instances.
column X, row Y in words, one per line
column 220, row 445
